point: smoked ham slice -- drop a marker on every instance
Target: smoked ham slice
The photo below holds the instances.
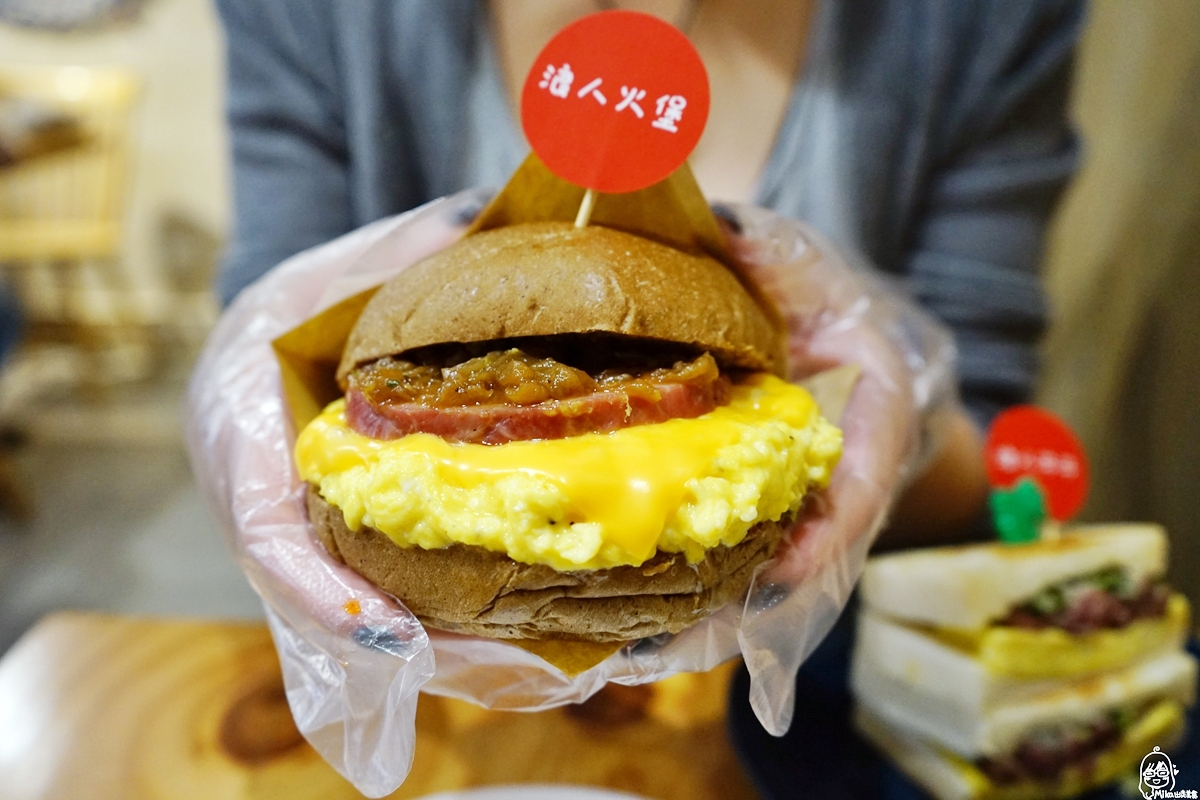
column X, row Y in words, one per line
column 598, row 412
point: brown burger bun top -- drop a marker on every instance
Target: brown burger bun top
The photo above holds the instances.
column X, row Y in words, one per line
column 550, row 278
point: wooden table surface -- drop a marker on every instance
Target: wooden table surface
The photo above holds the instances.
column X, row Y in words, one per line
column 100, row 707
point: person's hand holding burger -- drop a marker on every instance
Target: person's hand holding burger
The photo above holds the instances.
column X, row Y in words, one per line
column 648, row 363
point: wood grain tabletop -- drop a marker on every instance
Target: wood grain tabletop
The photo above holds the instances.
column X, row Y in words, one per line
column 106, row 707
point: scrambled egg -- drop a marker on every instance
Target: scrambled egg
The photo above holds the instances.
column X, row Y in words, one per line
column 586, row 502
column 1055, row 653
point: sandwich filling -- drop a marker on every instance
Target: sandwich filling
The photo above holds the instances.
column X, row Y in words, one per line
column 591, row 500
column 1056, row 769
column 510, row 395
column 1077, row 756
column 1080, row 626
column 1104, row 599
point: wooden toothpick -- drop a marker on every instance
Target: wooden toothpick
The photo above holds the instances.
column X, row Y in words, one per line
column 585, row 209
column 1051, row 530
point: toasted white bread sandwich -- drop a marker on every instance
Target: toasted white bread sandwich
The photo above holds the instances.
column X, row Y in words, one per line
column 1026, row 671
column 1084, row 766
column 1093, row 600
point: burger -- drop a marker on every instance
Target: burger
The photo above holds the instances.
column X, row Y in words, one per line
column 551, row 432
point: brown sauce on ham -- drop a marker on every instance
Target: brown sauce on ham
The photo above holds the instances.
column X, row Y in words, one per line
column 513, row 377
column 509, row 395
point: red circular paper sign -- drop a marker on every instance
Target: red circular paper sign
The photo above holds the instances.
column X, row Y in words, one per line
column 616, row 101
column 1028, row 441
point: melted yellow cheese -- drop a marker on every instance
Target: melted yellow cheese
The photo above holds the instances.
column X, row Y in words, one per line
column 1055, row 653
column 584, row 502
column 1159, row 726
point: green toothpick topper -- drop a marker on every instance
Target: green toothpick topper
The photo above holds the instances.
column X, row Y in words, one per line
column 1018, row 513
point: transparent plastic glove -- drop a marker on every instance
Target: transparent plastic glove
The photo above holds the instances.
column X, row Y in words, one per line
column 352, row 678
column 837, row 315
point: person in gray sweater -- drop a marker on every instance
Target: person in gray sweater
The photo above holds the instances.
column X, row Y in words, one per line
column 930, row 136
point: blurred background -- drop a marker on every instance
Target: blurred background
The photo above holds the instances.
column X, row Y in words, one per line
column 114, row 208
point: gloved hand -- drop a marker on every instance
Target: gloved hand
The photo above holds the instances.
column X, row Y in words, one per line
column 837, row 315
column 353, row 658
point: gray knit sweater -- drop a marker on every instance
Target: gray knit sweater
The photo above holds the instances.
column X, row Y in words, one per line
column 930, row 135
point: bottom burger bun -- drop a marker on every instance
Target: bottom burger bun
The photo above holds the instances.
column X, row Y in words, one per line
column 471, row 589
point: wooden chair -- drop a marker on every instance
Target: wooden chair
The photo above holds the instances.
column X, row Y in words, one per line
column 62, row 214
column 61, row 230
